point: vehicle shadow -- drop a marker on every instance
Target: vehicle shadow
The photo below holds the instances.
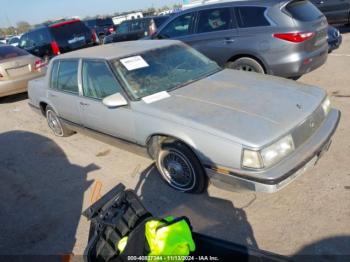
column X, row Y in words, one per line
column 329, row 249
column 208, row 215
column 13, row 98
column 41, row 196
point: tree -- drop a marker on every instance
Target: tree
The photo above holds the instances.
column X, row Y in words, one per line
column 23, row 27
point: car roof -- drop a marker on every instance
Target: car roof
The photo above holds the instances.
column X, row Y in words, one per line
column 117, row 50
column 209, row 5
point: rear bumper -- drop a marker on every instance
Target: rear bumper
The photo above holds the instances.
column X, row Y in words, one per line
column 298, row 64
column 282, row 174
column 15, row 86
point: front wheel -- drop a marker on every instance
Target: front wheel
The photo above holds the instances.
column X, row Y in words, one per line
column 246, row 64
column 55, row 124
column 180, row 168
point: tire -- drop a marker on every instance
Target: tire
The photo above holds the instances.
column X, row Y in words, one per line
column 101, row 38
column 55, row 124
column 246, row 64
column 180, row 168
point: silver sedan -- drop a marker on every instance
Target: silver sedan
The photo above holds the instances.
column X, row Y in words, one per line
column 197, row 120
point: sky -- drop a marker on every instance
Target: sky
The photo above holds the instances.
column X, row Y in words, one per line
column 37, row 11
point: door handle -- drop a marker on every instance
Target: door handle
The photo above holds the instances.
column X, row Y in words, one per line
column 84, row 104
column 229, row 40
column 320, row 3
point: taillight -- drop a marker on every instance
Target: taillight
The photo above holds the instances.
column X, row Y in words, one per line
column 94, row 36
column 297, row 37
column 55, row 48
column 39, row 64
column 111, row 29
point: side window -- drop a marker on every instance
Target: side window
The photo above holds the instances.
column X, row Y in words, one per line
column 123, row 28
column 180, row 26
column 23, row 41
column 214, row 20
column 135, row 25
column 251, row 16
column 54, row 75
column 68, row 76
column 98, row 81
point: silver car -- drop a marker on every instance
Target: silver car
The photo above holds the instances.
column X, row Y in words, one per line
column 197, row 120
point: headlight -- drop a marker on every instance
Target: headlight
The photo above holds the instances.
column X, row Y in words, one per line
column 251, row 159
column 326, row 106
column 277, row 151
column 269, row 155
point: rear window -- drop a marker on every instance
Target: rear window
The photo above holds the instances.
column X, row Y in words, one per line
column 303, row 11
column 7, row 52
column 104, row 22
column 66, row 32
column 251, row 16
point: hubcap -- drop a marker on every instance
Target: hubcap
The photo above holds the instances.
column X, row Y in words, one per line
column 177, row 169
column 54, row 123
column 245, row 68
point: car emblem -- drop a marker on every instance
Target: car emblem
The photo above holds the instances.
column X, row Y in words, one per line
column 299, row 106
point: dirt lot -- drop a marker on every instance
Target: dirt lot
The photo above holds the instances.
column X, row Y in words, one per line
column 47, row 181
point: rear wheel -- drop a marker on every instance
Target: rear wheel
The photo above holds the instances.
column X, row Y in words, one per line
column 55, row 124
column 246, row 64
column 180, row 168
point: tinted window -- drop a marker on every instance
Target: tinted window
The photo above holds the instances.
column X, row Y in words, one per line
column 136, row 25
column 214, row 20
column 14, row 40
column 180, row 26
column 68, row 32
column 98, row 81
column 104, row 22
column 123, row 28
column 68, row 76
column 303, row 11
column 251, row 16
column 34, row 38
column 54, row 74
column 160, row 20
column 7, row 52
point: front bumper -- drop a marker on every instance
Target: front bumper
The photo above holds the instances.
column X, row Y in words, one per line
column 286, row 171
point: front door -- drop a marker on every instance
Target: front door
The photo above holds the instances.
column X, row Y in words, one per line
column 98, row 82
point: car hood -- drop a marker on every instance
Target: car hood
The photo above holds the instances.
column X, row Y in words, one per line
column 247, row 108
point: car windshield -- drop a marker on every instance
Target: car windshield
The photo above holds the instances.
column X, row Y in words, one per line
column 163, row 69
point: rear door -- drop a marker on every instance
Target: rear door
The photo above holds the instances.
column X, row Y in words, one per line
column 336, row 11
column 215, row 34
column 64, row 91
column 98, row 82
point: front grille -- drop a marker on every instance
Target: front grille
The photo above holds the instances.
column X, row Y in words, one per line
column 305, row 130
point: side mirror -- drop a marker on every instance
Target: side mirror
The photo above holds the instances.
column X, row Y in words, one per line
column 115, row 100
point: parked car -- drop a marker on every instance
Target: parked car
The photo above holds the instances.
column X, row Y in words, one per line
column 194, row 118
column 2, row 40
column 101, row 26
column 57, row 38
column 334, row 38
column 17, row 67
column 136, row 29
column 336, row 11
column 14, row 41
column 258, row 36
